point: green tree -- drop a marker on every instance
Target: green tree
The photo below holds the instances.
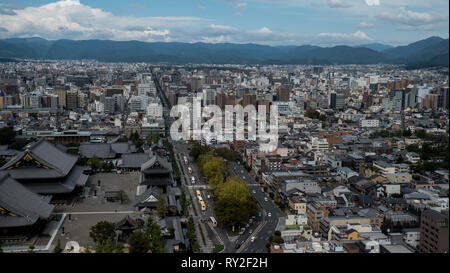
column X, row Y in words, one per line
column 99, row 248
column 102, row 232
column 122, row 196
column 87, row 249
column 95, row 162
column 7, row 135
column 31, row 249
column 139, row 242
column 162, row 206
column 108, row 247
column 119, row 248
column 58, row 248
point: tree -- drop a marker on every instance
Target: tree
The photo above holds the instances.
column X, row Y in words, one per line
column 139, row 243
column 119, row 248
column 31, row 249
column 99, row 248
column 58, row 248
column 102, row 232
column 7, row 135
column 162, row 206
column 87, row 249
column 108, row 247
column 95, row 162
column 122, row 196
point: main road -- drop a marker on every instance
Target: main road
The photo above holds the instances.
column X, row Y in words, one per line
column 263, row 226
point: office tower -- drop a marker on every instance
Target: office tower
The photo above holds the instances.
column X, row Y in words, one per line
column 209, row 97
column 138, row 103
column 340, row 101
column 433, row 232
column 72, row 99
column 332, row 100
column 249, row 99
column 283, row 93
column 62, row 96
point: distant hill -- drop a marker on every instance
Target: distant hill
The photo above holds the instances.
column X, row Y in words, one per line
column 424, row 53
column 376, row 46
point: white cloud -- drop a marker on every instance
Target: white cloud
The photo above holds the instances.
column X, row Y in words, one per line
column 201, row 7
column 411, row 18
column 365, row 25
column 240, row 5
column 238, row 14
column 338, row 4
column 220, row 29
column 264, row 30
column 73, row 20
column 372, row 2
column 358, row 35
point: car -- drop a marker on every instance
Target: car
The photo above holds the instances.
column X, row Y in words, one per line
column 250, row 220
column 254, row 217
column 253, row 239
column 269, row 214
column 237, row 246
column 250, row 231
column 253, row 191
column 247, row 225
column 266, row 199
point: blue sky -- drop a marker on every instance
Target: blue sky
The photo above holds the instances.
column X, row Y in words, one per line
column 272, row 22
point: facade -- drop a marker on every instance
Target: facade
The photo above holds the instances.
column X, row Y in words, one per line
column 433, row 232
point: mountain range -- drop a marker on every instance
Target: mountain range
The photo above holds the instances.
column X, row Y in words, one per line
column 430, row 52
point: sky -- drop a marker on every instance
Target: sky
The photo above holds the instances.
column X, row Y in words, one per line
column 269, row 22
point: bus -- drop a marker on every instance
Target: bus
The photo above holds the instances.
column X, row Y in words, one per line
column 193, row 180
column 198, row 193
column 213, row 221
column 203, row 205
column 189, row 170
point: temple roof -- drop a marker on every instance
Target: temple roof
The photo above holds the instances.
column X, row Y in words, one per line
column 19, row 206
column 41, row 159
column 157, row 163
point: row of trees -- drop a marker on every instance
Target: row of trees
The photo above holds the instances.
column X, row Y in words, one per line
column 233, row 202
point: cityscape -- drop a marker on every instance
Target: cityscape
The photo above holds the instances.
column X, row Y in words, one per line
column 178, row 146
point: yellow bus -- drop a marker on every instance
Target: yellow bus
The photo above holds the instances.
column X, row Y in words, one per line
column 203, row 205
column 198, row 193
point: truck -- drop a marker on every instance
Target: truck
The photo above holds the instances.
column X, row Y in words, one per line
column 185, row 160
column 193, row 179
column 189, row 170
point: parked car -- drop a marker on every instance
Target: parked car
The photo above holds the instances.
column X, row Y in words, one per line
column 269, row 214
column 250, row 231
column 253, row 239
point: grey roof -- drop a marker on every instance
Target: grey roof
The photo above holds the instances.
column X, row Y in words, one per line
column 156, row 158
column 133, row 160
column 101, row 150
column 59, row 163
column 75, row 178
column 141, row 198
column 17, row 199
column 106, row 150
column 4, row 151
column 123, row 148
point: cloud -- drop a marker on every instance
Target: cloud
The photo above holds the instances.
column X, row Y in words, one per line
column 372, row 2
column 201, row 7
column 406, row 17
column 238, row 14
column 358, row 35
column 365, row 25
column 338, row 4
column 240, row 6
column 73, row 20
column 220, row 30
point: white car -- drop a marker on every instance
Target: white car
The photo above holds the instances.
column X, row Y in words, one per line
column 269, row 214
column 253, row 239
column 266, row 199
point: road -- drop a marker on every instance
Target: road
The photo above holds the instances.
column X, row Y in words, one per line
column 269, row 222
column 263, row 227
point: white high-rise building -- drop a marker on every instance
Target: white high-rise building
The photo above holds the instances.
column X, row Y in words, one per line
column 154, row 110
